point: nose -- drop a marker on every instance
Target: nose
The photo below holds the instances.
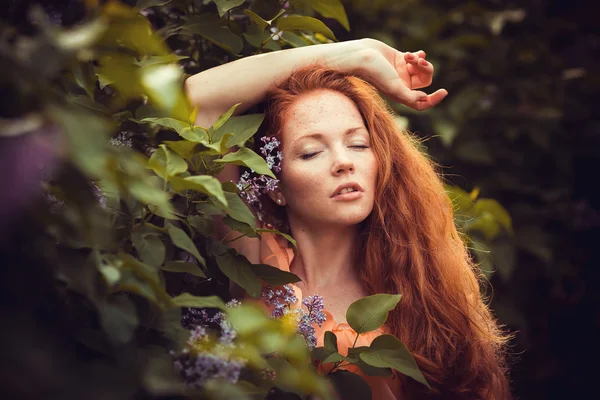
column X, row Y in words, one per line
column 342, row 164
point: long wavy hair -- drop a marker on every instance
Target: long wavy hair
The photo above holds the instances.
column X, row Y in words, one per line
column 410, row 245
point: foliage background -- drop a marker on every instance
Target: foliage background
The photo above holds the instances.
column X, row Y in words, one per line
column 520, row 124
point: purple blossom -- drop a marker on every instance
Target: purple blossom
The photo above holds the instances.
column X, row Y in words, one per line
column 199, row 368
column 251, row 185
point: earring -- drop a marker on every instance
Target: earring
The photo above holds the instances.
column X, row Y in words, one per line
column 279, row 201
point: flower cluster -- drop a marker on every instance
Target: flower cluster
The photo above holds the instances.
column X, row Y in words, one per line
column 282, row 300
column 198, row 365
column 252, row 185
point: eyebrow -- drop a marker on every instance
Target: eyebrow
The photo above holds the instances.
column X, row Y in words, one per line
column 320, row 135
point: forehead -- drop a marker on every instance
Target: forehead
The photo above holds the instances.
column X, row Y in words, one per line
column 322, row 111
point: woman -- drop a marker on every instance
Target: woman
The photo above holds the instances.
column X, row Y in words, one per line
column 366, row 207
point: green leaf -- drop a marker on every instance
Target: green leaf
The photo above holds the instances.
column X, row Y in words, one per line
column 273, row 276
column 184, row 148
column 196, row 134
column 224, row 117
column 165, row 163
column 188, row 300
column 370, row 370
column 370, row 313
column 225, row 5
column 242, row 127
column 333, row 358
column 297, row 22
column 350, row 386
column 214, row 32
column 294, row 39
column 201, row 183
column 247, row 158
column 184, row 266
column 331, row 9
column 183, row 241
column 202, row 223
column 386, row 351
column 330, row 342
column 238, row 210
column 285, row 235
column 240, row 227
column 262, row 24
column 237, row 268
column 171, row 123
column 149, row 247
column 218, row 147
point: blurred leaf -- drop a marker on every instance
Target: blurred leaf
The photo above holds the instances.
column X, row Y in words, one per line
column 297, row 22
column 87, row 138
column 150, row 195
column 446, row 130
column 350, row 386
column 183, row 266
column 155, row 60
column 119, row 319
column 386, row 351
column 330, row 9
column 475, row 151
column 150, row 247
column 183, row 241
column 188, row 300
column 163, row 83
column 247, row 158
column 225, row 5
column 485, row 223
column 370, row 313
column 484, row 259
column 494, row 208
column 142, row 4
column 128, row 28
column 273, row 276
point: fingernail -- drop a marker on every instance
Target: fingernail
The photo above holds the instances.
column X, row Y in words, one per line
column 410, row 56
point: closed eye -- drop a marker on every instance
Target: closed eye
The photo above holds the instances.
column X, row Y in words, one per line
column 311, row 155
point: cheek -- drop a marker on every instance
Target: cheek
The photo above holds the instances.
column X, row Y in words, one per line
column 299, row 181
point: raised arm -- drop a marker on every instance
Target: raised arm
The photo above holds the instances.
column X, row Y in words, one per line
column 397, row 74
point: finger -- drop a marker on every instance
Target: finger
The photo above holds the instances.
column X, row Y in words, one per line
column 420, row 54
column 422, row 75
column 430, row 101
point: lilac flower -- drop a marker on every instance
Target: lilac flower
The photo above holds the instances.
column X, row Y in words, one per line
column 121, row 140
column 250, row 185
column 197, row 369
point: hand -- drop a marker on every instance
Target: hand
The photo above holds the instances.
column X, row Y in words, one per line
column 397, row 74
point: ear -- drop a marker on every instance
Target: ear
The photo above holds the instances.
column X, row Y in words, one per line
column 276, row 196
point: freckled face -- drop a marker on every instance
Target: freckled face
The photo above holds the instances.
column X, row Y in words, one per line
column 326, row 144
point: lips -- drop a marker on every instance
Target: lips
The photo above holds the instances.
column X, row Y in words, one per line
column 347, row 188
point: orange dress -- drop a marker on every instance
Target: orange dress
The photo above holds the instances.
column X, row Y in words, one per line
column 275, row 252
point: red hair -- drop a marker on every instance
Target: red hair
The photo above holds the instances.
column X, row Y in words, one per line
column 410, row 245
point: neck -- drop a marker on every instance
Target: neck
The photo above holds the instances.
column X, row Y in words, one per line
column 325, row 254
